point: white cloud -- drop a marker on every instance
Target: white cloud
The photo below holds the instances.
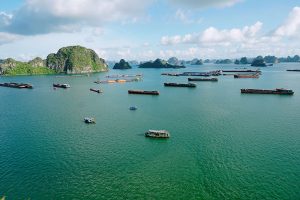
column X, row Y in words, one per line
column 291, row 26
column 213, row 35
column 38, row 17
column 205, row 3
column 8, row 38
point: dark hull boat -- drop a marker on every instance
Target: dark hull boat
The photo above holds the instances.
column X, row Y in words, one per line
column 202, row 79
column 57, row 85
column 276, row 91
column 17, row 85
column 180, row 85
column 143, row 92
column 95, row 90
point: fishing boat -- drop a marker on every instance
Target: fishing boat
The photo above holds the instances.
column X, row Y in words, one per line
column 57, row 85
column 157, row 134
column 202, row 79
column 89, row 120
column 96, row 90
column 132, row 108
column 191, row 85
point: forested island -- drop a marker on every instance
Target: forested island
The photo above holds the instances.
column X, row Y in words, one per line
column 69, row 60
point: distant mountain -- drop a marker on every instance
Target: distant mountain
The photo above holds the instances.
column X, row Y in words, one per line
column 158, row 63
column 122, row 65
column 196, row 61
column 225, row 61
column 174, row 61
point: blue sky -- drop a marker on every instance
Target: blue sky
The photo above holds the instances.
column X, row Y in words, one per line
column 147, row 29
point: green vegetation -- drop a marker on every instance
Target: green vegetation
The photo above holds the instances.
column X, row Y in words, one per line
column 76, row 59
column 73, row 59
column 122, row 65
column 158, row 63
column 22, row 68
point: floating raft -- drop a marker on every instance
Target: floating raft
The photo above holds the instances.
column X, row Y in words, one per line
column 17, row 85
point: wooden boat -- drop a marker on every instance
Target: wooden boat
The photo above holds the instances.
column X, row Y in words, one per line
column 17, row 85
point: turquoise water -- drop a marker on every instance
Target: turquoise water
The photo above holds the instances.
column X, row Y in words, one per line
column 223, row 145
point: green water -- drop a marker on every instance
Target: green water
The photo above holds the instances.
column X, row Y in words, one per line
column 223, row 145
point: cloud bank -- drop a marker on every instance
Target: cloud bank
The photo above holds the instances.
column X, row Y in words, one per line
column 46, row 16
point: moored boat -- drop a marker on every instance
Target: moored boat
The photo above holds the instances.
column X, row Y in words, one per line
column 202, row 79
column 180, row 85
column 293, row 70
column 17, row 85
column 280, row 91
column 143, row 92
column 246, row 76
column 157, row 134
column 96, row 90
column 57, row 85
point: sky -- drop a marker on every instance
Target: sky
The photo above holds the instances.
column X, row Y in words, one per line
column 149, row 29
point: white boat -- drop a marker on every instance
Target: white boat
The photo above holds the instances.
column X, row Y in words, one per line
column 157, row 134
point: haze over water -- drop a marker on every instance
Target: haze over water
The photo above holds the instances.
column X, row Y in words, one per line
column 223, row 145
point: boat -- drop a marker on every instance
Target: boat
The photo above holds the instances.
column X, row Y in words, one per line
column 143, row 92
column 123, row 75
column 180, row 85
column 280, row 91
column 202, row 79
column 132, row 108
column 293, row 70
column 157, row 134
column 246, row 76
column 57, row 85
column 89, row 120
column 249, row 70
column 95, row 90
column 170, row 74
column 17, row 85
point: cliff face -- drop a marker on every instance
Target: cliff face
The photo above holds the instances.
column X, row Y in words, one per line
column 75, row 59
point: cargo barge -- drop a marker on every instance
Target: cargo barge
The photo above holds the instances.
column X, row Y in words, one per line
column 280, row 91
column 17, row 85
column 95, row 90
column 143, row 92
column 293, row 70
column 247, row 71
column 57, row 85
column 202, row 79
column 246, row 76
column 192, row 85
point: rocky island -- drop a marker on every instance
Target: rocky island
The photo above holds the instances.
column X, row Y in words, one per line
column 69, row 60
column 122, row 65
column 158, row 63
column 259, row 62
